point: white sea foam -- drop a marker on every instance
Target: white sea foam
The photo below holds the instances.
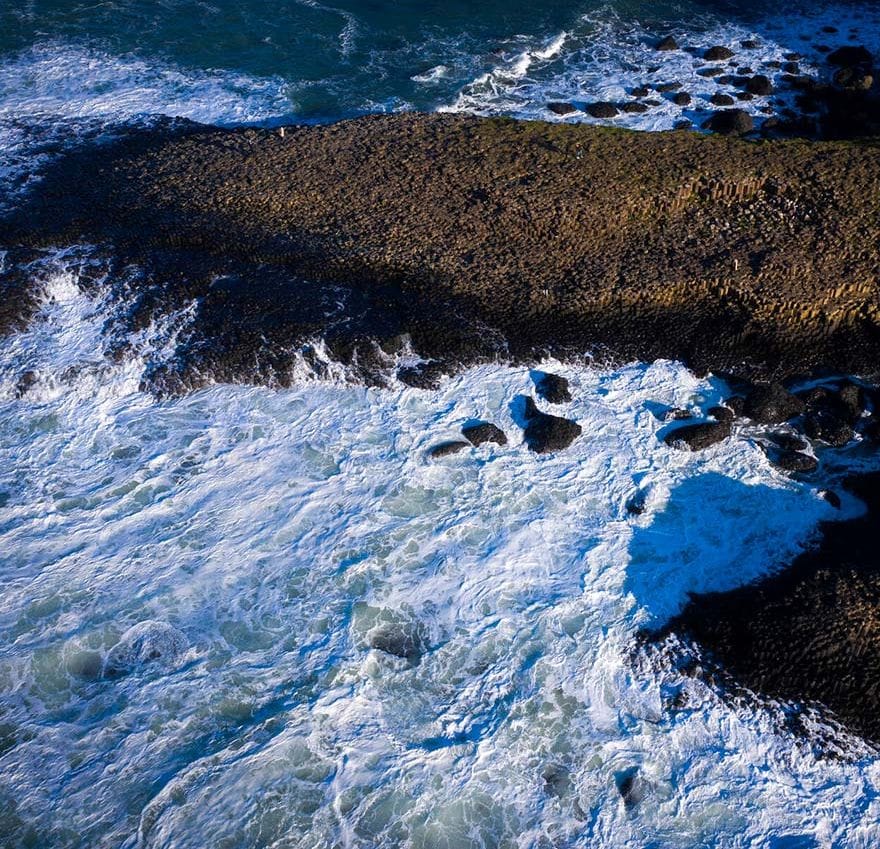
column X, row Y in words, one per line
column 605, row 57
column 56, row 79
column 278, row 532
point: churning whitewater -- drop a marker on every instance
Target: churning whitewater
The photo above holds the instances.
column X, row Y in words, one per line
column 268, row 616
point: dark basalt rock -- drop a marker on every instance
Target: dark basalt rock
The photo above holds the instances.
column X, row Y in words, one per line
column 640, row 91
column 634, row 107
column 26, row 380
column 721, row 99
column 794, row 461
column 710, row 72
column 718, row 54
column 444, row 449
column 667, row 87
column 831, row 497
column 759, row 85
column 737, row 403
column 810, row 633
column 697, row 437
column 630, row 786
column 722, row 414
column 369, row 229
column 602, row 110
column 851, row 56
column 731, row 122
column 681, row 98
column 545, row 433
column 788, row 441
column 477, row 434
column 553, row 388
column 668, row 43
column 750, row 44
column 826, row 426
column 635, row 505
column 772, row 404
column 560, row 108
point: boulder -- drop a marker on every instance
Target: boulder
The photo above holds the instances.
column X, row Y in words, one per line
column 545, row 433
column 444, row 449
column 634, row 107
column 788, row 441
column 561, row 108
column 794, row 461
column 831, row 497
column 640, row 91
column 772, row 403
column 710, row 72
column 553, row 388
column 668, row 43
column 477, row 434
column 721, row 99
column 737, row 403
column 697, row 437
column 851, row 56
column 602, row 109
column 718, row 54
column 825, row 425
column 681, row 98
column 667, row 87
column 730, row 122
column 759, row 85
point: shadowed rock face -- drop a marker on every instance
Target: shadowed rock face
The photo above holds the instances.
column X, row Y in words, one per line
column 482, row 237
column 811, row 632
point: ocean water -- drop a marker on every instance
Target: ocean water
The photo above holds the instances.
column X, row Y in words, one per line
column 199, row 594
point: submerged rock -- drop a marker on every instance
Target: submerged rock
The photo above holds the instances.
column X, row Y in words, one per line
column 148, row 642
column 545, row 433
column 553, row 388
column 698, row 437
column 477, row 434
column 399, row 639
column 667, row 43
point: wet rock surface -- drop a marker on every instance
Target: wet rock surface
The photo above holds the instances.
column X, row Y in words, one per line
column 544, row 433
column 478, row 434
column 476, row 239
column 698, row 437
column 552, row 388
column 811, row 632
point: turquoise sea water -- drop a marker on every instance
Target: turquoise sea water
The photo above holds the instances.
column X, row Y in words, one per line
column 344, row 57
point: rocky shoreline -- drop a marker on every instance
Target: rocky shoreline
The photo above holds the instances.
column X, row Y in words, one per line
column 414, row 245
column 467, row 239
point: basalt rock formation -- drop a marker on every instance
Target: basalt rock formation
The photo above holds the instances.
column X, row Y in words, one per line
column 811, row 632
column 477, row 238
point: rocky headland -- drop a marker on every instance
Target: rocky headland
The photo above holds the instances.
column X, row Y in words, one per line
column 471, row 239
